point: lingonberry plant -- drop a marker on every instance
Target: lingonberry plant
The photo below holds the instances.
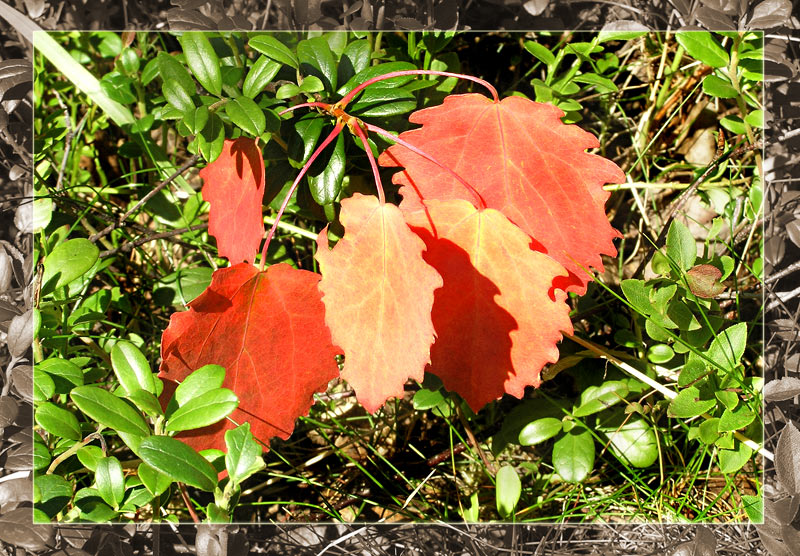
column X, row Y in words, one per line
column 460, row 237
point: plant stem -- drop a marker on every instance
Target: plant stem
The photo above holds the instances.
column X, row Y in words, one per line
column 376, row 175
column 423, row 154
column 349, row 96
column 333, row 134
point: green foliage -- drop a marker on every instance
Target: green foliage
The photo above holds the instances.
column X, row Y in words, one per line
column 103, row 296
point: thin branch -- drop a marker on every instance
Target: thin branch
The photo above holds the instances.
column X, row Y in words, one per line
column 119, row 223
column 678, row 203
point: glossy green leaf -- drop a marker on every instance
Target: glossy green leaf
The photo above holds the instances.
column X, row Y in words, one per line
column 326, row 184
column 355, row 58
column 728, row 398
column 638, row 295
column 425, row 399
column 212, row 138
column 689, row 404
column 660, row 353
column 573, row 455
column 153, row 480
column 381, row 69
column 41, row 456
column 540, row 52
column 203, row 410
column 509, row 489
column 56, row 493
column 92, row 507
column 539, row 430
column 109, row 410
column 275, row 49
column 754, row 507
column 131, row 367
column 681, row 245
column 110, row 481
column 316, row 59
column 178, row 461
column 701, row 45
column 709, row 430
column 178, row 97
column 90, row 455
column 202, row 60
column 57, row 421
column 243, row 457
column 382, row 102
column 64, row 374
column 196, row 119
column 246, row 114
column 717, row 87
column 147, row 402
column 204, row 379
column 304, row 139
column 68, row 261
column 262, row 72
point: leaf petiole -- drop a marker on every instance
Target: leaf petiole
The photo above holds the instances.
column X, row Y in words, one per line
column 331, row 136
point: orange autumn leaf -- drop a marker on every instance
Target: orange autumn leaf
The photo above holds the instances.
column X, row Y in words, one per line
column 525, row 163
column 495, row 320
column 267, row 329
column 234, row 188
column 378, row 294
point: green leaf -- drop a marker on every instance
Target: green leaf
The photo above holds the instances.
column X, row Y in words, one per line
column 204, row 379
column 316, row 58
column 202, row 60
column 154, row 481
column 754, row 507
column 573, row 455
column 196, row 119
column 131, row 367
column 755, row 118
column 728, row 347
column 637, row 293
column 540, row 52
column 178, row 461
column 178, row 97
column 41, row 455
column 64, row 374
column 304, row 139
column 109, row 410
column 246, row 114
column 632, row 439
column 737, row 419
column 110, row 481
column 243, row 456
column 311, row 84
column 598, row 398
column 734, row 124
column 717, row 87
column 733, row 460
column 729, row 399
column 326, row 184
column 203, row 410
column 660, row 353
column 56, row 493
column 172, row 70
column 509, row 488
column 601, row 84
column 381, row 69
column 68, row 261
column 92, row 507
column 212, row 138
column 426, row 399
column 378, row 101
column 58, row 421
column 354, row 59
column 146, row 402
column 288, row 90
column 702, row 46
column 539, row 430
column 90, row 455
column 709, row 430
column 689, row 404
column 681, row 246
column 262, row 72
column 118, row 87
column 273, row 48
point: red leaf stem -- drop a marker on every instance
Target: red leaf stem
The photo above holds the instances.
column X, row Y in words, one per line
column 363, row 136
column 336, row 131
column 349, row 96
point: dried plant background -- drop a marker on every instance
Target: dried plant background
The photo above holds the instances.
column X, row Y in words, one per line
column 780, row 535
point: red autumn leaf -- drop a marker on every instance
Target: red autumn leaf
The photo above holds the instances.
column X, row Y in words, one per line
column 525, row 163
column 495, row 321
column 378, row 294
column 234, row 187
column 267, row 329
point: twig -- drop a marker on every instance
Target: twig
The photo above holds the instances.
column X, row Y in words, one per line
column 185, row 496
column 129, row 245
column 781, row 273
column 111, row 227
column 686, row 194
